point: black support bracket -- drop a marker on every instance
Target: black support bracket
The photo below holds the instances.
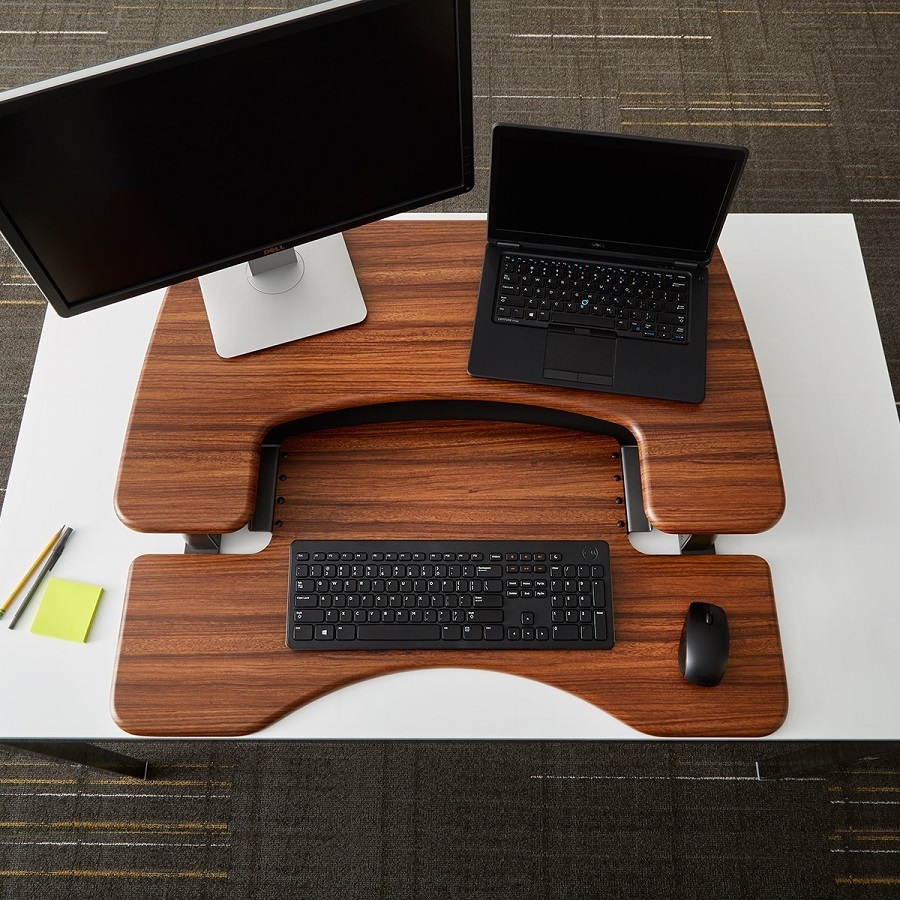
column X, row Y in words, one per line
column 264, row 510
column 202, row 543
column 697, row 544
column 636, row 515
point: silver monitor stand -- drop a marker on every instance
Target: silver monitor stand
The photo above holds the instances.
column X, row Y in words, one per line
column 282, row 297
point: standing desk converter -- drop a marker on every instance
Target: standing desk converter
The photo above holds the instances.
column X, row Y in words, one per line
column 381, row 433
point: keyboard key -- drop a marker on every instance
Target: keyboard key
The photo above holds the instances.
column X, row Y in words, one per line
column 583, row 321
column 484, row 615
column 310, row 616
column 487, row 601
column 600, row 626
column 564, row 632
column 403, row 632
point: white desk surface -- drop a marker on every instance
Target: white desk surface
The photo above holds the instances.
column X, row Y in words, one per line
column 802, row 287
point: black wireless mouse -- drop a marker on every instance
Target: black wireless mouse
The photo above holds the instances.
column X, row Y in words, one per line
column 703, row 649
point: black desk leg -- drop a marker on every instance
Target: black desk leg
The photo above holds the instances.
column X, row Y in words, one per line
column 820, row 756
column 85, row 754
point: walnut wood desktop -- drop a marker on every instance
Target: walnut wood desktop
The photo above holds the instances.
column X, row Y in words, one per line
column 192, row 451
column 202, row 646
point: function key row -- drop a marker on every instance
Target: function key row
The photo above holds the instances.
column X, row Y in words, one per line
column 348, row 556
column 397, row 570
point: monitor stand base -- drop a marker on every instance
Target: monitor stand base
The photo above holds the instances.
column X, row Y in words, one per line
column 317, row 292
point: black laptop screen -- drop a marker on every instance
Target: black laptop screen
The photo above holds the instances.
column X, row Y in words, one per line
column 610, row 192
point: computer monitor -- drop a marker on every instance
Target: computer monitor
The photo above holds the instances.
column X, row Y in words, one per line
column 218, row 156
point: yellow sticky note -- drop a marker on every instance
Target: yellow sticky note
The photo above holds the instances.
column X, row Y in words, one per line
column 67, row 610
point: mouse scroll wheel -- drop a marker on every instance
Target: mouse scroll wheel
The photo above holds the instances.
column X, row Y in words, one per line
column 709, row 618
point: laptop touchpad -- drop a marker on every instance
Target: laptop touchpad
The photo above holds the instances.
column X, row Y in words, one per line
column 571, row 356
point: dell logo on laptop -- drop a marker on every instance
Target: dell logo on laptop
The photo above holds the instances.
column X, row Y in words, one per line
column 598, row 245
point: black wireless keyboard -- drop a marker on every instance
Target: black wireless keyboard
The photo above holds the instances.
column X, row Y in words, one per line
column 386, row 595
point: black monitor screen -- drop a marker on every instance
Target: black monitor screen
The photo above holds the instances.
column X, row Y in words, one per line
column 605, row 191
column 149, row 173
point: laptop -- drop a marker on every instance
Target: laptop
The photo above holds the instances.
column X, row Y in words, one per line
column 594, row 273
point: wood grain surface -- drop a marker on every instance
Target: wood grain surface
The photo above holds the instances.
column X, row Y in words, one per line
column 202, row 647
column 192, row 451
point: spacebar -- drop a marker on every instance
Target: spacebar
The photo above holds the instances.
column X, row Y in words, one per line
column 583, row 321
column 398, row 632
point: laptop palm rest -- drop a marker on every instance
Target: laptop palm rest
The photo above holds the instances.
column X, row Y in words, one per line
column 577, row 354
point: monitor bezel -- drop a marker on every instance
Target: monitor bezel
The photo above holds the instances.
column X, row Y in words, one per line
column 186, row 52
column 501, row 131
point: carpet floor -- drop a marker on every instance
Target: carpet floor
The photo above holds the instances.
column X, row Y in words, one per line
column 245, row 820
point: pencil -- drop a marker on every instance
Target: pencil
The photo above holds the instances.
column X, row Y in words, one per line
column 31, row 571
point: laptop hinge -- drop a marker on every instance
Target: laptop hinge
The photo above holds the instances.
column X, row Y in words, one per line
column 508, row 245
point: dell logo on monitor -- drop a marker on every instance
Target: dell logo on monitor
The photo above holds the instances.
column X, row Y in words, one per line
column 274, row 249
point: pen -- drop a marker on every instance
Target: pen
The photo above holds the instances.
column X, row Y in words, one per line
column 30, row 572
column 48, row 565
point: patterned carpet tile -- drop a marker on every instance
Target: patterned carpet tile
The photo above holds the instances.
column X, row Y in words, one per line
column 471, row 820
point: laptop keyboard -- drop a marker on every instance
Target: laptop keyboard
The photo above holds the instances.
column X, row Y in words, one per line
column 633, row 302
column 471, row 595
